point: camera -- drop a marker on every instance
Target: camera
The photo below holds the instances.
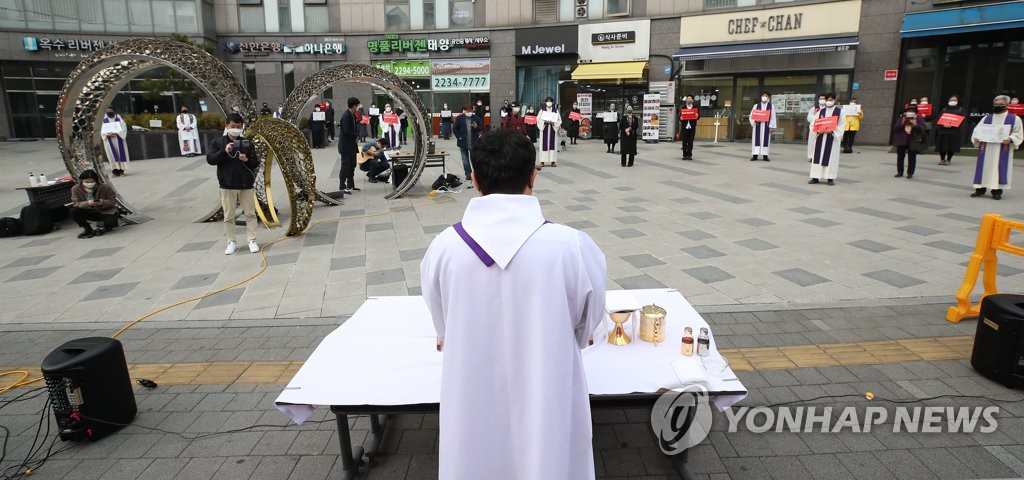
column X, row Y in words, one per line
column 243, row 143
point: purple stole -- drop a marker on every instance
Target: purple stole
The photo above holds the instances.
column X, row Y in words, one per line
column 475, row 247
column 547, row 136
column 118, row 150
column 1004, row 153
column 761, row 130
column 391, row 134
column 823, row 157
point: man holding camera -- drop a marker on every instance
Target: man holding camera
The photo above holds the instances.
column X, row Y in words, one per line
column 236, row 163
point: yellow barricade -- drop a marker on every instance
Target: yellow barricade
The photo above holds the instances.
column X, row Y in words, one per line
column 993, row 235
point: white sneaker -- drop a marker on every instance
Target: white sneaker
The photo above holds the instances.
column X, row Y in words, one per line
column 232, row 246
column 253, row 248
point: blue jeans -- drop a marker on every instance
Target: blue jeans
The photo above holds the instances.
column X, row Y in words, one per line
column 465, row 162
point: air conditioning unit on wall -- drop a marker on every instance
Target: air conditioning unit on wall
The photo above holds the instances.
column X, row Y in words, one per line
column 581, row 9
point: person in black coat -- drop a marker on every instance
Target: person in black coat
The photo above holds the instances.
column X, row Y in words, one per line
column 908, row 126
column 374, row 120
column 687, row 129
column 628, row 127
column 611, row 131
column 347, row 147
column 317, row 125
column 236, row 162
column 947, row 139
column 532, row 131
column 330, row 120
column 572, row 127
column 466, row 128
column 403, row 125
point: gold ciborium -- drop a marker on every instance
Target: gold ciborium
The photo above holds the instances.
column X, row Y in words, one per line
column 618, row 335
column 652, row 324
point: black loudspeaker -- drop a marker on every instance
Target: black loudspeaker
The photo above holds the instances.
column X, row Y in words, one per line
column 90, row 390
column 999, row 340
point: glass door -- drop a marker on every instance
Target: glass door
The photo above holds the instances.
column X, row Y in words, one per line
column 748, row 92
column 793, row 96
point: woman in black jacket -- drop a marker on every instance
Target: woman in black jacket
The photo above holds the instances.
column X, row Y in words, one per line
column 947, row 139
column 628, row 127
column 572, row 127
column 908, row 126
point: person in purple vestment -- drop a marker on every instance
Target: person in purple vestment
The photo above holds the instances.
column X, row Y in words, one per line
column 114, row 132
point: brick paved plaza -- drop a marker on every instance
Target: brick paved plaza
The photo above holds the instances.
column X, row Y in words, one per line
column 810, row 290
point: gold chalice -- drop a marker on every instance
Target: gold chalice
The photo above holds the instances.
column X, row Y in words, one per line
column 618, row 335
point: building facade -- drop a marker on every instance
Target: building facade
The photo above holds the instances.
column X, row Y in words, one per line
column 724, row 52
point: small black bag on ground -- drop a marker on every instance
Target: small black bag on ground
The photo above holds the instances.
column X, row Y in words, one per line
column 36, row 219
column 9, row 227
column 449, row 182
column 398, row 174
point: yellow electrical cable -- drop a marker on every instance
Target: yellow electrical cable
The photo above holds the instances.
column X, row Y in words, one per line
column 445, row 198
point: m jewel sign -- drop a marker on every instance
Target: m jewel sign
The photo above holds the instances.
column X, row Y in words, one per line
column 533, row 42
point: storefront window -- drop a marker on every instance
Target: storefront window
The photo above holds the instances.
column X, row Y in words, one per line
column 537, row 83
column 989, row 59
column 396, row 15
column 956, row 69
column 918, row 72
column 792, row 97
column 838, row 84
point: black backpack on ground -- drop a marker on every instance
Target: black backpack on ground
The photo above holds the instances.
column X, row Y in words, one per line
column 10, row 227
column 398, row 174
column 36, row 219
column 449, row 182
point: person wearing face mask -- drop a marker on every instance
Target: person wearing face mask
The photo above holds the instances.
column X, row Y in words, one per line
column 403, row 127
column 347, row 147
column 687, row 128
column 265, row 111
column 316, row 122
column 361, row 124
column 761, row 140
column 480, row 110
column 374, row 120
column 572, row 128
column 908, row 127
column 947, row 139
column 506, row 109
column 532, row 129
column 811, row 115
column 446, row 122
column 552, row 122
column 611, row 128
column 825, row 164
column 188, row 133
column 279, row 113
column 391, row 129
column 467, row 131
column 852, row 126
column 628, row 127
column 994, row 170
column 514, row 120
column 92, row 201
column 236, row 162
column 114, row 132
column 329, row 120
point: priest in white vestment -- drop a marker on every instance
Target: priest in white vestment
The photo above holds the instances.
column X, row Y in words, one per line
column 994, row 170
column 825, row 160
column 811, row 115
column 114, row 132
column 549, row 132
column 761, row 137
column 513, row 299
column 188, row 133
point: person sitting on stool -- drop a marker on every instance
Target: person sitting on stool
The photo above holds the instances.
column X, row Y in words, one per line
column 93, row 201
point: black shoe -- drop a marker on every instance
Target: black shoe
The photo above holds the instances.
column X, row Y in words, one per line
column 753, row 159
column 997, row 194
column 371, row 179
column 979, row 192
column 99, row 232
column 813, row 181
column 355, row 189
column 909, row 176
column 766, row 158
column 898, row 175
column 831, row 182
column 86, row 234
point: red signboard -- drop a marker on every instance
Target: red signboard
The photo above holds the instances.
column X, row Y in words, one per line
column 1016, row 108
column 951, row 120
column 530, row 119
column 826, row 125
column 924, row 109
column 760, row 115
column 891, row 74
column 390, row 118
column 365, row 120
column 575, row 116
column 688, row 114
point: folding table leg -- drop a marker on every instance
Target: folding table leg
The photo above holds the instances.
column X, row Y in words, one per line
column 377, row 424
column 351, row 458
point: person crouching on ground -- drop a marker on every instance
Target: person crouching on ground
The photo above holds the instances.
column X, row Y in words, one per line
column 374, row 161
column 93, row 201
column 236, row 162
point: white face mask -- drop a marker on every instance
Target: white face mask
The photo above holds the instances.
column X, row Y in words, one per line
column 911, row 114
column 829, row 103
column 924, row 102
column 548, row 103
column 515, row 109
column 821, row 103
column 479, row 103
column 387, row 109
column 764, row 99
column 953, row 103
column 574, row 105
column 89, row 186
column 235, row 132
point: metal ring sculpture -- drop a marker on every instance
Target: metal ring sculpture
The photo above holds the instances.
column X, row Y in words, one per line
column 97, row 79
column 396, row 88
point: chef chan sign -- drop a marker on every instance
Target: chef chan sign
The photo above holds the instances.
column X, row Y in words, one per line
column 822, row 20
column 628, row 41
column 532, row 42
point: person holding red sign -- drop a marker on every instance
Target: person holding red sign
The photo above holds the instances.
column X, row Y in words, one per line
column 688, row 116
column 812, row 114
column 828, row 128
column 762, row 117
column 572, row 127
column 908, row 128
column 390, row 121
column 947, row 138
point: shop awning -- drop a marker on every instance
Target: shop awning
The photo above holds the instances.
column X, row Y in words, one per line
column 813, row 45
column 996, row 16
column 609, row 71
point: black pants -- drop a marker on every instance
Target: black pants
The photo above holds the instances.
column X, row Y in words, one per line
column 687, row 137
column 901, row 151
column 82, row 216
column 348, row 171
column 630, row 164
column 848, row 137
column 318, row 136
column 374, row 167
column 401, row 133
column 330, row 130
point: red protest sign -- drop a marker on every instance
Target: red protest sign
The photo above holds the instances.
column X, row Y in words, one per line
column 1016, row 108
column 951, row 120
column 365, row 120
column 575, row 116
column 826, row 125
column 530, row 119
column 924, row 109
column 390, row 118
column 688, row 114
column 760, row 115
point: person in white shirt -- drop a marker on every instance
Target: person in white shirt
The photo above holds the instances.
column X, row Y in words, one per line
column 762, row 135
column 825, row 164
column 188, row 133
column 994, row 169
